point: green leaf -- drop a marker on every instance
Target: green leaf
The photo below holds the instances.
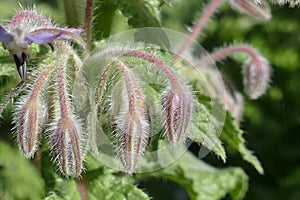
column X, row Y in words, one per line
column 71, row 12
column 206, row 127
column 231, row 133
column 104, row 14
column 203, row 181
column 104, row 184
column 140, row 13
column 19, row 179
column 234, row 137
column 7, row 69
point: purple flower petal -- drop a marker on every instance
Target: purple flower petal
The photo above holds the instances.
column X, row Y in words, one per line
column 76, row 31
column 43, row 37
column 4, row 35
column 68, row 33
column 47, row 35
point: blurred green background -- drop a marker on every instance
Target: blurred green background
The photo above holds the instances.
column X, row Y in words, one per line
column 271, row 123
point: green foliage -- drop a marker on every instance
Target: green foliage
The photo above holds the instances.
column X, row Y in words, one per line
column 231, row 133
column 108, row 184
column 103, row 183
column 140, row 13
column 205, row 132
column 234, row 137
column 19, row 179
column 203, row 181
column 134, row 13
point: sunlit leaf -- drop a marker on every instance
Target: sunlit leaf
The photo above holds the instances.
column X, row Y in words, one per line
column 232, row 135
column 103, row 184
column 203, row 181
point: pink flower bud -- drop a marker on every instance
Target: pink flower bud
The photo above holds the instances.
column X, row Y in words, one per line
column 178, row 111
column 256, row 76
column 132, row 122
column 67, row 145
column 257, row 9
column 133, row 132
column 29, row 120
column 30, row 114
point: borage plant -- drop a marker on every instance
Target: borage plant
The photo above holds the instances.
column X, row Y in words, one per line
column 125, row 97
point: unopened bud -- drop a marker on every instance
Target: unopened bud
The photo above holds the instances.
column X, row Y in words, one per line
column 133, row 132
column 132, row 122
column 256, row 76
column 29, row 120
column 178, row 111
column 67, row 142
column 29, row 116
column 257, row 9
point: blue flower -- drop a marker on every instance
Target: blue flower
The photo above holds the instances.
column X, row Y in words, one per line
column 17, row 37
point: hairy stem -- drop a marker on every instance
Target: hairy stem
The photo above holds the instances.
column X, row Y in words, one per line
column 228, row 51
column 82, row 187
column 62, row 88
column 208, row 11
column 156, row 61
column 88, row 25
column 101, row 85
column 129, row 85
column 132, row 122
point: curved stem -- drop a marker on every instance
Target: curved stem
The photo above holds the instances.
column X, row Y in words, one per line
column 131, row 90
column 212, row 7
column 40, row 82
column 101, row 84
column 156, row 61
column 225, row 52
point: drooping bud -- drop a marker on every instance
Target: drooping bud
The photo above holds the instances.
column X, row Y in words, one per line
column 256, row 74
column 132, row 123
column 67, row 147
column 178, row 113
column 30, row 114
column 65, row 131
column 257, row 9
column 29, row 120
column 133, row 130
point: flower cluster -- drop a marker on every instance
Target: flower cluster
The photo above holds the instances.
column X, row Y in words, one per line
column 46, row 101
column 57, row 100
column 27, row 27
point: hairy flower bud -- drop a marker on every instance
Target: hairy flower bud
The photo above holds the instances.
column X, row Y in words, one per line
column 257, row 9
column 67, row 143
column 30, row 114
column 132, row 123
column 256, row 75
column 178, row 111
column 133, row 131
column 29, row 120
